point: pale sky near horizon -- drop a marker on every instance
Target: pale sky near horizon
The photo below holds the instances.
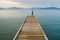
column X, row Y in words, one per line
column 29, row 3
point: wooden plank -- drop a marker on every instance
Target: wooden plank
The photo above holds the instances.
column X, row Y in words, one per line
column 31, row 30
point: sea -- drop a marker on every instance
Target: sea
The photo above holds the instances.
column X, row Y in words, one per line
column 11, row 20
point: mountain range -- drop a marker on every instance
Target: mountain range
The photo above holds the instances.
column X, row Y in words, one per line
column 31, row 8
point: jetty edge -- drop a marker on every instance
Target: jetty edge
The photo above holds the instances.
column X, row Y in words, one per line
column 30, row 30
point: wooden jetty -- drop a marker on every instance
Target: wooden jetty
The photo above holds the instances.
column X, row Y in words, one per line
column 30, row 30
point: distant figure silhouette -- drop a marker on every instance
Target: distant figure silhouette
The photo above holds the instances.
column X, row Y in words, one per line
column 32, row 12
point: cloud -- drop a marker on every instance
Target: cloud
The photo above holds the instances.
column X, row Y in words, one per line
column 29, row 3
column 39, row 3
column 7, row 3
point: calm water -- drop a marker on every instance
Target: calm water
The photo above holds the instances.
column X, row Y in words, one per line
column 11, row 20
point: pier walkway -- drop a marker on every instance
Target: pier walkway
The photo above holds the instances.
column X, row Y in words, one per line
column 30, row 30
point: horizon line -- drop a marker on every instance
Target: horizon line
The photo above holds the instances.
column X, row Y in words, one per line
column 29, row 7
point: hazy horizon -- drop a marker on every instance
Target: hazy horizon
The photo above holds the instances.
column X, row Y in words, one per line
column 29, row 3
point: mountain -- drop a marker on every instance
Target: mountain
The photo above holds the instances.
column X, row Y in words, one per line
column 35, row 8
column 1, row 8
column 14, row 8
column 50, row 8
column 44, row 8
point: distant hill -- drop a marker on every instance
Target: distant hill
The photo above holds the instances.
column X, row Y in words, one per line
column 50, row 8
column 14, row 8
column 44, row 8
column 1, row 8
column 31, row 8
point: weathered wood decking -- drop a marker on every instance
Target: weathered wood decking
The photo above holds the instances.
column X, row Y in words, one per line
column 30, row 30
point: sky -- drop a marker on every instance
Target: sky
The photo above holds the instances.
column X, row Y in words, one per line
column 29, row 3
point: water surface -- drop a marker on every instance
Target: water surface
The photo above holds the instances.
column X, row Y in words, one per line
column 11, row 20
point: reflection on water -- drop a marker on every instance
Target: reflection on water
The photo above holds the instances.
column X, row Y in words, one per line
column 10, row 21
column 8, row 27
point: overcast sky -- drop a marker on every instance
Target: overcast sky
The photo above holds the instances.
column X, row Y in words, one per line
column 29, row 3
